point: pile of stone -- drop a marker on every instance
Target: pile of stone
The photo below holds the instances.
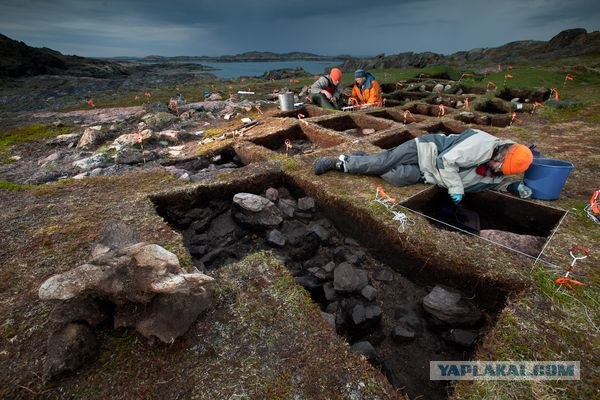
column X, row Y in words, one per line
column 126, row 284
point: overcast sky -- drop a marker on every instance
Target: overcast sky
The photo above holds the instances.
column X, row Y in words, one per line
column 105, row 28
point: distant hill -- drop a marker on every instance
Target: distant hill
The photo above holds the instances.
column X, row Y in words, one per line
column 18, row 59
column 248, row 56
column 568, row 43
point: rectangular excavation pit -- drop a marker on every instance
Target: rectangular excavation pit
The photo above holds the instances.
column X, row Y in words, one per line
column 446, row 127
column 355, row 124
column 397, row 116
column 393, row 140
column 302, row 138
column 207, row 165
column 307, row 111
column 505, row 219
column 324, row 240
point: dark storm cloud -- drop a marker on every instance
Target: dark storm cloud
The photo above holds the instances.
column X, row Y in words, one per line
column 188, row 27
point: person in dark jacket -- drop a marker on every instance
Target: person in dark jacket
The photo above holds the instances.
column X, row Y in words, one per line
column 469, row 162
column 327, row 90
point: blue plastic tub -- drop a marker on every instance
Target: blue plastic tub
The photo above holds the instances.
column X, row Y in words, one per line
column 546, row 177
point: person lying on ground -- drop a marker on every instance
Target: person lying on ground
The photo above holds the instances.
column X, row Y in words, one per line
column 327, row 90
column 469, row 162
column 366, row 89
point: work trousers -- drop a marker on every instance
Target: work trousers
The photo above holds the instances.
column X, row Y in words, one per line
column 320, row 100
column 398, row 165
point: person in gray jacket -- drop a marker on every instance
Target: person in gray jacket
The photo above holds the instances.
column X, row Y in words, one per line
column 469, row 162
column 327, row 90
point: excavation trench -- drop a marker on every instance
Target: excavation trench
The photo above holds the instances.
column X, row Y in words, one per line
column 367, row 287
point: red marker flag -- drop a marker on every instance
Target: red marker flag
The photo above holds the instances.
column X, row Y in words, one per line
column 555, row 93
column 508, row 76
column 91, row 103
column 569, row 77
column 499, row 67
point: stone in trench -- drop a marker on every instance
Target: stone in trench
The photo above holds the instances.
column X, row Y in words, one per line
column 322, row 232
column 272, row 194
column 366, row 349
column 255, row 212
column 448, row 307
column 369, row 292
column 287, row 207
column 401, row 334
column 275, row 238
column 96, row 161
column 383, row 275
column 306, row 204
column 347, row 279
column 329, row 318
column 461, row 337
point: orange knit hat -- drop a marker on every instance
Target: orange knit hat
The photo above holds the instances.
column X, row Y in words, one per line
column 517, row 159
column 336, row 74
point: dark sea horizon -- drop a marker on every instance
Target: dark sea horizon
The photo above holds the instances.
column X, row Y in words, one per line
column 230, row 70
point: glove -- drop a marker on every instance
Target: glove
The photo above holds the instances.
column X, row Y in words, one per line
column 457, row 197
column 525, row 192
column 520, row 189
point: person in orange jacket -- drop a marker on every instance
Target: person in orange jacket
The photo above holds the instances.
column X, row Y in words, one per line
column 366, row 89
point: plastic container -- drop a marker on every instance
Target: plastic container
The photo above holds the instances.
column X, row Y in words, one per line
column 286, row 101
column 546, row 177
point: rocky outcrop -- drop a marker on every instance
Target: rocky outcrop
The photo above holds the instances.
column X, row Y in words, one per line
column 131, row 283
column 17, row 59
column 568, row 43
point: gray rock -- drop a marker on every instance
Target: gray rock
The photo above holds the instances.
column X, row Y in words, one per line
column 255, row 212
column 373, row 312
column 329, row 318
column 167, row 317
column 322, row 232
column 159, row 120
column 369, row 292
column 448, row 307
column 287, row 207
column 69, row 349
column 461, row 337
column 85, row 309
column 275, row 238
column 347, row 279
column 134, row 273
column 93, row 136
column 272, row 194
column 306, row 204
column 96, row 161
column 329, row 291
column 329, row 267
column 383, row 275
column 358, row 314
column 366, row 349
column 64, row 140
column 401, row 334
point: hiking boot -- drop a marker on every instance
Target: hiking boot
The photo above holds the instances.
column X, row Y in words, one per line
column 325, row 164
column 358, row 153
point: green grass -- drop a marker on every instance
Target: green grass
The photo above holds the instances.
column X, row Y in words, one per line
column 6, row 185
column 29, row 133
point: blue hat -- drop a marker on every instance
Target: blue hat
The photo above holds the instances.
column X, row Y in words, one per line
column 360, row 73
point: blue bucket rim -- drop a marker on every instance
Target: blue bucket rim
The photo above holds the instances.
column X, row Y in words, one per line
column 539, row 161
